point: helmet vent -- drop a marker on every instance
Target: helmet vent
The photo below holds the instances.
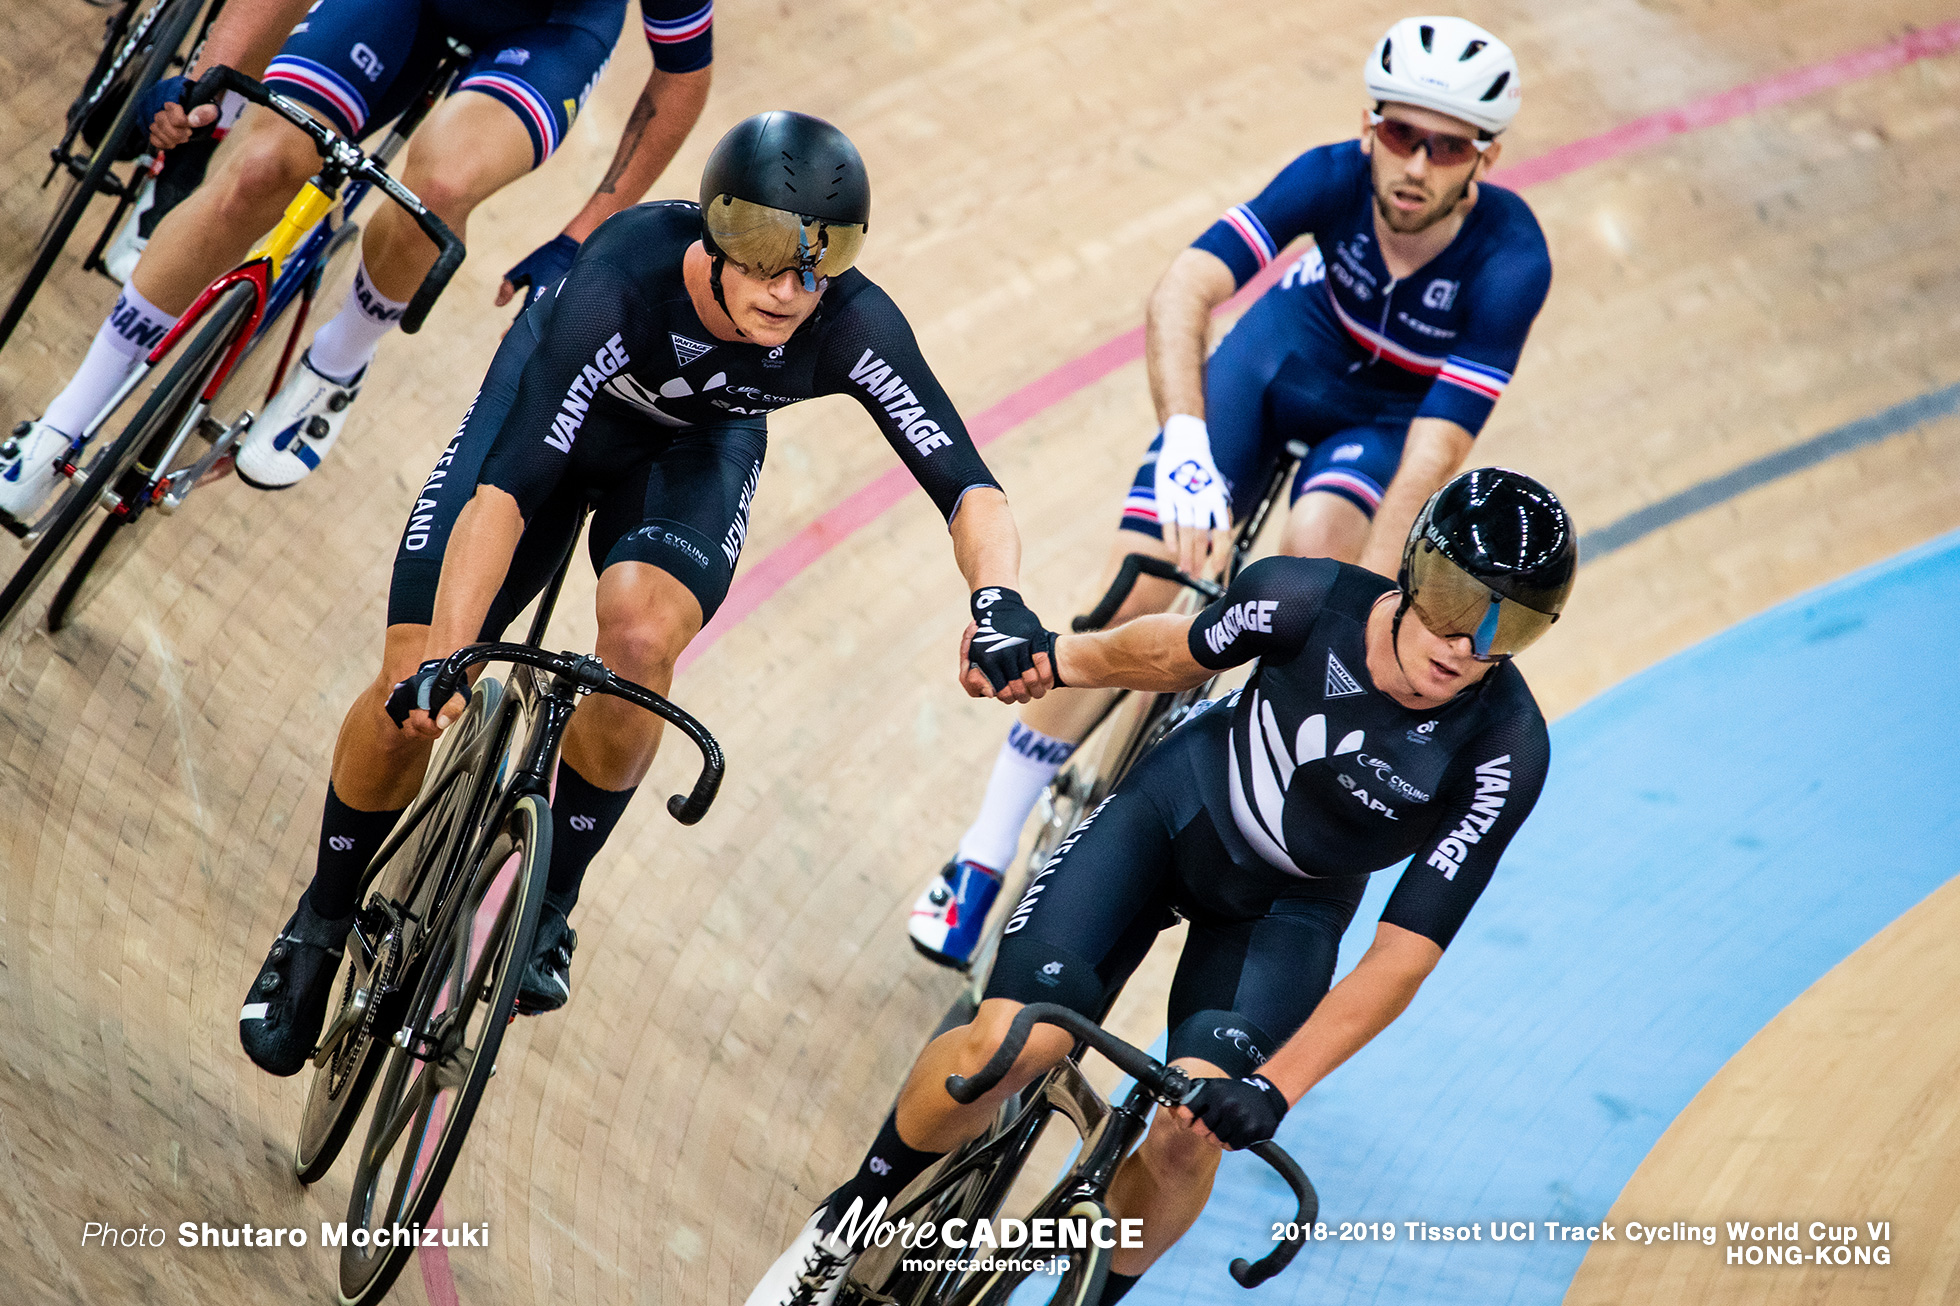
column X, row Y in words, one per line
column 1471, row 51
column 1496, row 87
column 1428, row 35
column 1388, row 50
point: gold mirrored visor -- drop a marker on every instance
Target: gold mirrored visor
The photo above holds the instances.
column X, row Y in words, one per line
column 1451, row 602
column 768, row 242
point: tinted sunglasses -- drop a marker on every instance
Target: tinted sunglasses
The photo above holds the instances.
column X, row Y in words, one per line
column 1404, row 139
column 768, row 242
column 1453, row 603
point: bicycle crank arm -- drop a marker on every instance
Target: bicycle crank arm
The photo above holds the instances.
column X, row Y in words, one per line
column 191, row 422
column 179, row 484
column 350, row 1016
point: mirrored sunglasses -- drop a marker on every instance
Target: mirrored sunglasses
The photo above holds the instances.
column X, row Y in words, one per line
column 1445, row 149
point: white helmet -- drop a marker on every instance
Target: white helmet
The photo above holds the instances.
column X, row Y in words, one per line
column 1450, row 65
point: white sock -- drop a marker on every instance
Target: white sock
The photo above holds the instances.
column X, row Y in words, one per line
column 346, row 345
column 131, row 330
column 1027, row 762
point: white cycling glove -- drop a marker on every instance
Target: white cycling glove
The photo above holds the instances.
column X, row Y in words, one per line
column 1190, row 492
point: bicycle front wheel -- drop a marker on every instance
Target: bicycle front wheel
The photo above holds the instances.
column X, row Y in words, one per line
column 1081, row 1284
column 165, row 36
column 114, row 469
column 368, row 1009
column 435, row 1075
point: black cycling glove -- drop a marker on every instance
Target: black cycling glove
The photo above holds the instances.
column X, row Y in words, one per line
column 543, row 268
column 417, row 691
column 1240, row 1112
column 1009, row 637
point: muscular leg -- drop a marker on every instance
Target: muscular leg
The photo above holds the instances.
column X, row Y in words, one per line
column 258, row 171
column 375, row 766
column 1165, row 1182
column 262, row 165
column 1323, row 525
column 646, row 618
column 927, row 1123
column 928, row 1117
column 469, row 148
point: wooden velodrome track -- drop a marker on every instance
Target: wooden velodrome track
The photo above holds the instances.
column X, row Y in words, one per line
column 744, row 1000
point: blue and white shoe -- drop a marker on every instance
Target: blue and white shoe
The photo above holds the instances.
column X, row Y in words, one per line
column 948, row 917
column 297, row 429
column 27, row 470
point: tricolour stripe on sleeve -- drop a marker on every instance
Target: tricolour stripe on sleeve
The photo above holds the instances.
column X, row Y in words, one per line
column 674, row 31
column 1474, row 377
column 1253, row 232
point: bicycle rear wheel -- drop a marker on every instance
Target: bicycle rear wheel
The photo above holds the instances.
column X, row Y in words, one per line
column 431, row 1086
column 114, row 467
column 164, row 37
column 364, row 1017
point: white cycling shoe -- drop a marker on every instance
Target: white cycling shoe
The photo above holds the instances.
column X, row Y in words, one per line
column 28, row 476
column 809, row 1273
column 126, row 250
column 297, row 429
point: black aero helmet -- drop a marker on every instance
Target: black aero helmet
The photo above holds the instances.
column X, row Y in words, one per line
column 1492, row 555
column 782, row 192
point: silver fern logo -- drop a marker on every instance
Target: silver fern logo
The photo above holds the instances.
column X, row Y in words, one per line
column 1259, row 808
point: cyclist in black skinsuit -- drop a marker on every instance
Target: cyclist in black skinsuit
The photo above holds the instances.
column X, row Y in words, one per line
column 640, row 386
column 1381, row 723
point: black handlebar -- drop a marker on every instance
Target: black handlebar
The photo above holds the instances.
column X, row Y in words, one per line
column 591, row 676
column 1252, row 1274
column 1168, row 1085
column 339, row 152
column 1126, row 578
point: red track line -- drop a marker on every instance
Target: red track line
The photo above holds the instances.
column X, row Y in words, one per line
column 776, row 569
column 758, row 583
column 438, row 1281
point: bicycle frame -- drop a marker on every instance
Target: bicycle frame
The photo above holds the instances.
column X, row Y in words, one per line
column 275, row 275
column 1109, row 1134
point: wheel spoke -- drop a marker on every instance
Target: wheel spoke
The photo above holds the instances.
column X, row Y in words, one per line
column 418, row 1095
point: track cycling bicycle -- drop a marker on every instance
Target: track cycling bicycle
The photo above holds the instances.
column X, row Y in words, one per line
column 143, row 42
column 971, row 1183
column 429, row 980
column 240, row 334
column 1129, row 725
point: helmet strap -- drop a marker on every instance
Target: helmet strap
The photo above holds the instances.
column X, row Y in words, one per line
column 1395, row 639
column 714, row 284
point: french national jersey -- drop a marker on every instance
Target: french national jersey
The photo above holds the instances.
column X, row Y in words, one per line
column 1452, row 332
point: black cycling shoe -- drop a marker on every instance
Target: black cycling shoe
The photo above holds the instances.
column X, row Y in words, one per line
column 547, row 981
column 287, row 1005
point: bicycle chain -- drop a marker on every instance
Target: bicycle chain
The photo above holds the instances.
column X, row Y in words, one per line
column 381, row 978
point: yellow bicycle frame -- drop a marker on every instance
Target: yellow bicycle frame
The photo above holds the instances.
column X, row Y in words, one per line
column 301, row 216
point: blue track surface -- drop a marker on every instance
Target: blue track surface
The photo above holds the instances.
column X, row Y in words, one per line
column 1717, row 833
